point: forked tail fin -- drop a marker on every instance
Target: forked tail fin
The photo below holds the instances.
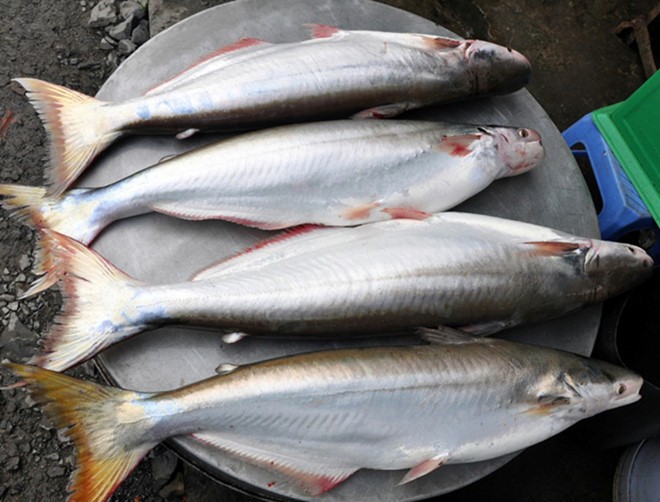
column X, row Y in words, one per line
column 99, row 307
column 70, row 214
column 103, row 423
column 78, row 127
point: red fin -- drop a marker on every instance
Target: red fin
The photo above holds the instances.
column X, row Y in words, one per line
column 458, row 146
column 443, row 43
column 359, row 212
column 322, row 30
column 406, row 213
column 238, row 45
column 385, row 111
column 553, row 248
column 286, row 235
column 424, row 468
column 546, row 404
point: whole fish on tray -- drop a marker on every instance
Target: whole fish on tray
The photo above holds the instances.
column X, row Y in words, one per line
column 318, row 418
column 253, row 84
column 478, row 272
column 330, row 173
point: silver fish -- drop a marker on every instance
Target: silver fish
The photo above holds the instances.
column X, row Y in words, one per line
column 478, row 272
column 318, row 418
column 330, row 173
column 338, row 73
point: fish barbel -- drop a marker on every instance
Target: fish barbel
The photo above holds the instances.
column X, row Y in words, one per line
column 336, row 74
column 478, row 272
column 317, row 418
column 338, row 173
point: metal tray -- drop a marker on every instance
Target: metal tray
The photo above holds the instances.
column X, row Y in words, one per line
column 160, row 249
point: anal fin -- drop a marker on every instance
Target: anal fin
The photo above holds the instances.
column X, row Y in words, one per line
column 311, row 474
column 424, row 468
column 406, row 213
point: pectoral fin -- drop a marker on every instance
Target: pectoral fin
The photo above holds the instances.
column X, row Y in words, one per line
column 423, row 468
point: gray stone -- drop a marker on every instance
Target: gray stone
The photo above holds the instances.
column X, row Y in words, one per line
column 123, row 30
column 13, row 306
column 140, row 34
column 126, row 47
column 131, row 8
column 56, row 471
column 162, row 467
column 103, row 14
column 113, row 59
column 106, row 45
column 12, row 463
column 21, row 278
column 24, row 261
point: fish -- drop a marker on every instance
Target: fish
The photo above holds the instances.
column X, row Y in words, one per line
column 252, row 84
column 317, row 418
column 480, row 273
column 334, row 173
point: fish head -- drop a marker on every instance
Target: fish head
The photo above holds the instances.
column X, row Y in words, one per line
column 615, row 267
column 496, row 69
column 579, row 387
column 519, row 148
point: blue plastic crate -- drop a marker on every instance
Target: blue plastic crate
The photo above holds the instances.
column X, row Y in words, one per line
column 623, row 210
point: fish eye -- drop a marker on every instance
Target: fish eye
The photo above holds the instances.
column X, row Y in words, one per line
column 523, row 133
column 621, row 389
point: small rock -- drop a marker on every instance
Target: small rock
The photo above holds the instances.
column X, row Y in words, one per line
column 88, row 66
column 140, row 34
column 21, row 278
column 73, row 61
column 24, row 262
column 62, row 436
column 56, row 471
column 102, row 14
column 123, row 30
column 173, row 489
column 105, row 45
column 12, row 463
column 52, row 456
column 162, row 467
column 130, row 8
column 13, row 306
column 126, row 47
column 113, row 59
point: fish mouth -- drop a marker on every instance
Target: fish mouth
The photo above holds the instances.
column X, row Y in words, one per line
column 496, row 69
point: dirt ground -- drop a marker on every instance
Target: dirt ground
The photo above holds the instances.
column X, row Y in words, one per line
column 579, row 65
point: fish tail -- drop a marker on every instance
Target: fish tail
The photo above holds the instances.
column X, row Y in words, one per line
column 108, row 447
column 99, row 305
column 77, row 127
column 69, row 215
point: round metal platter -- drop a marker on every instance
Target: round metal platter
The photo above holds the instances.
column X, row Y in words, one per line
column 161, row 249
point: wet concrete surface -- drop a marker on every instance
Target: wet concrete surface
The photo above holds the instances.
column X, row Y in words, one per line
column 579, row 65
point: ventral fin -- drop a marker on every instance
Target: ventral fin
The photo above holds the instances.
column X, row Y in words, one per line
column 226, row 368
column 424, row 468
column 459, row 145
column 406, row 213
column 187, row 133
column 445, row 335
column 485, row 328
column 552, row 248
column 235, row 337
column 359, row 212
column 322, row 30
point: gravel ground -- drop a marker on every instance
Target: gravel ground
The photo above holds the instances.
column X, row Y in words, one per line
column 51, row 40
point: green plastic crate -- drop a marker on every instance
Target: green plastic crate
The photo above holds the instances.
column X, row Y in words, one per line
column 632, row 130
